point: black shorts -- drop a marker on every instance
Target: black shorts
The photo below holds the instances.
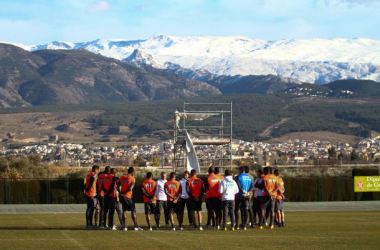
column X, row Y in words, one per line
column 101, row 200
column 214, row 204
column 195, row 205
column 128, row 204
column 182, row 203
column 243, row 202
column 92, row 202
column 172, row 207
column 208, row 205
column 150, row 208
column 267, row 203
column 278, row 205
column 257, row 204
column 162, row 206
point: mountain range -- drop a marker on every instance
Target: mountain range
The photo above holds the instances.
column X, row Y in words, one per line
column 79, row 76
column 166, row 67
column 313, row 61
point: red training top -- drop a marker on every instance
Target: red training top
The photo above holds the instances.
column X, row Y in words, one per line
column 92, row 191
column 149, row 186
column 172, row 187
column 107, row 182
column 270, row 181
column 213, row 182
column 125, row 182
column 195, row 185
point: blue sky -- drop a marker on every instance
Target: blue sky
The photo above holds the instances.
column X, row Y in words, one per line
column 42, row 21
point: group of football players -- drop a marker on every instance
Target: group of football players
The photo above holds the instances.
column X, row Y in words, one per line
column 241, row 195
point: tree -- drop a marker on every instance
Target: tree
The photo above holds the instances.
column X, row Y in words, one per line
column 354, row 155
column 11, row 173
column 156, row 162
column 332, row 152
column 138, row 160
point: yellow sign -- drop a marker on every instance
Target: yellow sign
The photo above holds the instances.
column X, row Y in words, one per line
column 367, row 183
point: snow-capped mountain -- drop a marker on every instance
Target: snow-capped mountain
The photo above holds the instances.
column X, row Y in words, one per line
column 140, row 59
column 314, row 60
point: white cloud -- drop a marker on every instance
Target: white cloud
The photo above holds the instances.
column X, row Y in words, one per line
column 99, row 6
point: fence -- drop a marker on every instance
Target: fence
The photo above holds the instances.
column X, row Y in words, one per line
column 70, row 191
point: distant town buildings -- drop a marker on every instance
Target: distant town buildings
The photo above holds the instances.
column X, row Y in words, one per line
column 303, row 91
column 280, row 153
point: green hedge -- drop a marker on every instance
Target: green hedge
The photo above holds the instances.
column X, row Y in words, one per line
column 321, row 189
column 76, row 192
column 2, row 192
column 36, row 192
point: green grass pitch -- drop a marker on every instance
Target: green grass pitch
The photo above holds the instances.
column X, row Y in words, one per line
column 304, row 230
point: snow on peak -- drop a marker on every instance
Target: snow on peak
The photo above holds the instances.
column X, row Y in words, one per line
column 140, row 58
column 54, row 45
column 310, row 60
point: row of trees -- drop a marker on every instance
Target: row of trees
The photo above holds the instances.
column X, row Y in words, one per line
column 12, row 167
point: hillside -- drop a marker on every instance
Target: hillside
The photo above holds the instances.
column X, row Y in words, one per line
column 350, row 88
column 256, row 117
column 361, row 88
column 269, row 84
column 79, row 76
column 16, row 66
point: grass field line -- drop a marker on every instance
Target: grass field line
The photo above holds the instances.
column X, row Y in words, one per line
column 326, row 230
column 299, row 207
column 39, row 222
column 68, row 237
column 160, row 240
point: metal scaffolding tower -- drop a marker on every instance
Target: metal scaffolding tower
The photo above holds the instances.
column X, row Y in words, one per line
column 209, row 126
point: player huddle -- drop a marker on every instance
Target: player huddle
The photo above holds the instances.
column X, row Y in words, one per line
column 226, row 196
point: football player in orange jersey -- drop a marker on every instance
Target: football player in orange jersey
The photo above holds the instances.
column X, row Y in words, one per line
column 92, row 202
column 221, row 177
column 210, row 213
column 269, row 196
column 212, row 184
column 172, row 190
column 149, row 190
column 280, row 217
column 109, row 188
column 195, row 189
column 126, row 184
column 100, row 195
